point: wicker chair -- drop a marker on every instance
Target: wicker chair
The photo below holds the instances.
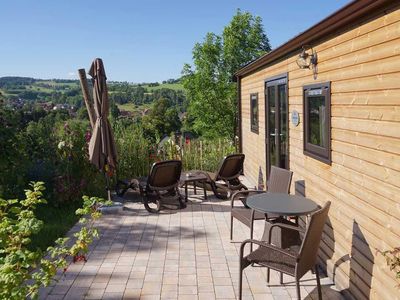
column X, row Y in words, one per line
column 290, row 261
column 161, row 186
column 226, row 180
column 279, row 182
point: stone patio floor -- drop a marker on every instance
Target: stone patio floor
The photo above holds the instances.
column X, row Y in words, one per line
column 177, row 254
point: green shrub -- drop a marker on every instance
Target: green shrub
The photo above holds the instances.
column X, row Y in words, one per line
column 75, row 175
column 22, row 270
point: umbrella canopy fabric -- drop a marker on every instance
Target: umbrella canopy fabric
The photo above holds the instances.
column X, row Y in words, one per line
column 101, row 146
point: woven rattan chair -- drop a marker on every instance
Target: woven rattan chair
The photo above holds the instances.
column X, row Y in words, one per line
column 226, row 180
column 279, row 182
column 161, row 186
column 290, row 261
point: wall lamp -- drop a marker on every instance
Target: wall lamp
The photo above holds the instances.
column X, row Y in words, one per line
column 308, row 59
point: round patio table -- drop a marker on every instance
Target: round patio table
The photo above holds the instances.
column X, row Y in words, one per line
column 281, row 204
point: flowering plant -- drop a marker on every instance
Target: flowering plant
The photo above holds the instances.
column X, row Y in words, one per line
column 74, row 169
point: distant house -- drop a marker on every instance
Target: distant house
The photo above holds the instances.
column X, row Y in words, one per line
column 47, row 106
column 64, row 106
column 15, row 104
column 326, row 105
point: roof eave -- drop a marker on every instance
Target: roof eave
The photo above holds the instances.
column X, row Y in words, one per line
column 346, row 16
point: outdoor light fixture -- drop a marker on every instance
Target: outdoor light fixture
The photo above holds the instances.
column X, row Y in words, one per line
column 308, row 60
column 305, row 59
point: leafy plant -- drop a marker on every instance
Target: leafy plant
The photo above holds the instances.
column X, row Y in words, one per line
column 393, row 260
column 24, row 271
column 84, row 237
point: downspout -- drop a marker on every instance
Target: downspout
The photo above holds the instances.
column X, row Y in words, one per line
column 239, row 101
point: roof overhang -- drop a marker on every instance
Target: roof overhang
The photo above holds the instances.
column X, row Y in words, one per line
column 352, row 13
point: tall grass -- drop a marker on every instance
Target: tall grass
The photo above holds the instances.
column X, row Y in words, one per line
column 199, row 154
column 136, row 154
column 134, row 150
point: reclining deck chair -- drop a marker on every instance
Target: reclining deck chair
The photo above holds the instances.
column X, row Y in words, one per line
column 226, row 180
column 161, row 186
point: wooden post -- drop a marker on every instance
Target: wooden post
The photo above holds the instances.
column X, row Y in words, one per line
column 86, row 96
column 201, row 155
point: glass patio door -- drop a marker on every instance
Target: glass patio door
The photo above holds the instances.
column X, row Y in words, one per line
column 276, row 123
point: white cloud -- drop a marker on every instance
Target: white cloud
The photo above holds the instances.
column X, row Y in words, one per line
column 71, row 74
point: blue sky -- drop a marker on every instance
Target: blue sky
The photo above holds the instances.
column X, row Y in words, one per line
column 139, row 41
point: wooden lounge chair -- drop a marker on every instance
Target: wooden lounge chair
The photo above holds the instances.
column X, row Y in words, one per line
column 291, row 261
column 226, row 179
column 161, row 186
column 279, row 182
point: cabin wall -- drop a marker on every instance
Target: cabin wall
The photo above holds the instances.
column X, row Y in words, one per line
column 363, row 182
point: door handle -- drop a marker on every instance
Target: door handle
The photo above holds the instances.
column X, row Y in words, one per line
column 276, row 135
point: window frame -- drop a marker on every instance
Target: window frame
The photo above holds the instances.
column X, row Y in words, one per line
column 322, row 154
column 255, row 128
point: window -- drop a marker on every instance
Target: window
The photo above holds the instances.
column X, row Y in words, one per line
column 254, row 112
column 317, row 121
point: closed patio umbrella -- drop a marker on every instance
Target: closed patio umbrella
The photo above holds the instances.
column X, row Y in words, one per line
column 102, row 151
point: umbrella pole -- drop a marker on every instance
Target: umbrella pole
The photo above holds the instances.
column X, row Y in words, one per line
column 114, row 207
column 108, row 186
column 86, row 96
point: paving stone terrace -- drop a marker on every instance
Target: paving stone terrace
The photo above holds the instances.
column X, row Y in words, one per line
column 177, row 254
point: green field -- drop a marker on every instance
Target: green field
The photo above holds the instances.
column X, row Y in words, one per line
column 172, row 86
column 128, row 107
column 132, row 107
column 46, row 87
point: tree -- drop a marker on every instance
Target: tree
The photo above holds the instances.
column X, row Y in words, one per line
column 163, row 119
column 211, row 93
column 114, row 110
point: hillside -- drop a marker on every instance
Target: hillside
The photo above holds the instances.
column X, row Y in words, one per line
column 172, row 86
column 129, row 97
column 15, row 86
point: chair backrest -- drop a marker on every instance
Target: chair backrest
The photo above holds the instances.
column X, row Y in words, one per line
column 231, row 167
column 279, row 180
column 165, row 174
column 310, row 245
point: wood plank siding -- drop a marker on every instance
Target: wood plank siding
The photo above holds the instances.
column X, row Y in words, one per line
column 362, row 62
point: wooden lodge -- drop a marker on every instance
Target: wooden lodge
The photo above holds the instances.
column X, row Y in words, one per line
column 326, row 105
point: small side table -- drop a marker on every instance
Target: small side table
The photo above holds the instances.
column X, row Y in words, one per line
column 191, row 177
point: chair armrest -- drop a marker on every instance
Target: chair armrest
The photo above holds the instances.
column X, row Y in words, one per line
column 265, row 245
column 287, row 226
column 242, row 195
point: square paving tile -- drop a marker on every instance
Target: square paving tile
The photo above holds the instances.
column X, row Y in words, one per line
column 177, row 254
